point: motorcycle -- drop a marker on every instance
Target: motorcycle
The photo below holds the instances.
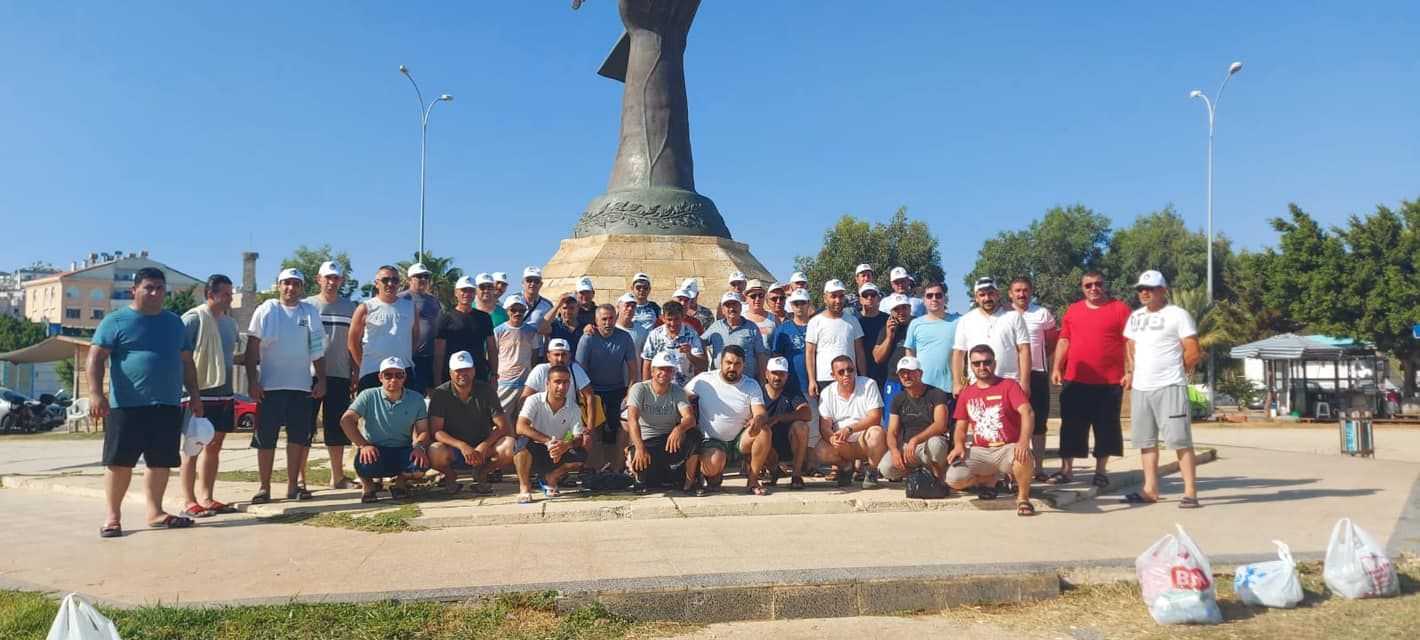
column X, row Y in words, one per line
column 30, row 416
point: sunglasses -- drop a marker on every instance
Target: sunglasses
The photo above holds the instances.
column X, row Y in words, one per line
column 983, row 363
column 845, row 371
column 1143, row 289
column 642, row 287
column 1093, row 285
column 388, row 281
column 532, row 281
column 934, row 296
column 776, row 298
column 395, row 375
column 422, row 276
column 756, row 295
column 868, row 294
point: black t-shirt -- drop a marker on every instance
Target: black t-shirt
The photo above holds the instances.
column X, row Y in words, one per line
column 914, row 415
column 871, row 328
column 899, row 348
column 466, row 331
column 470, row 421
column 787, row 402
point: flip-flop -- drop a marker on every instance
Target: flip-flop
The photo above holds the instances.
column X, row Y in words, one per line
column 196, row 511
column 1039, row 477
column 345, row 483
column 1025, row 509
column 1100, row 480
column 221, row 507
column 525, row 498
column 261, row 497
column 111, row 530
column 549, row 491
column 796, row 483
column 1058, row 478
column 757, row 490
column 369, row 498
column 1136, row 498
column 172, row 522
column 1189, row 503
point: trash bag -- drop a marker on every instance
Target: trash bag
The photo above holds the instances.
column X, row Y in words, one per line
column 921, row 483
column 1357, row 565
column 1270, row 584
column 195, row 435
column 1177, row 581
column 79, row 620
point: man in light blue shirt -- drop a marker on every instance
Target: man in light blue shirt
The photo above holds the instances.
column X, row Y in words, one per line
column 930, row 338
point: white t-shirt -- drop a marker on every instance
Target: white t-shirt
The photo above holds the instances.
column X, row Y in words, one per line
column 1158, row 346
column 847, row 411
column 288, row 337
column 1038, row 321
column 833, row 337
column 1001, row 331
column 537, row 380
column 555, row 424
column 725, row 408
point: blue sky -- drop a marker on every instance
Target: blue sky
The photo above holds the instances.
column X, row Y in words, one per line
column 201, row 130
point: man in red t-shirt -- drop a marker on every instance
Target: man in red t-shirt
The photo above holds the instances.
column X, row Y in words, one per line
column 1089, row 367
column 996, row 408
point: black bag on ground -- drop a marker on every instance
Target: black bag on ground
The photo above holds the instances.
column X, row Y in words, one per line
column 922, row 484
column 606, row 481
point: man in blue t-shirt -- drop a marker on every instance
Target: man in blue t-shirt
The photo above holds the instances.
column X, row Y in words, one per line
column 150, row 355
column 788, row 339
column 930, row 338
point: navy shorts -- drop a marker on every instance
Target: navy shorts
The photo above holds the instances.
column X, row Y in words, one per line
column 153, row 432
column 393, row 461
column 291, row 409
column 331, row 406
column 542, row 460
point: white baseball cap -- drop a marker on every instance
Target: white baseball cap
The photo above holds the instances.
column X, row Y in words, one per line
column 331, row 268
column 737, row 276
column 896, row 300
column 585, row 284
column 863, row 267
column 293, row 273
column 482, row 279
column 898, row 273
column 777, row 286
column 465, row 283
column 393, row 362
column 460, row 360
column 799, row 276
column 690, row 285
column 532, row 272
column 500, row 276
column 679, row 293
column 625, row 298
column 868, row 286
column 1151, row 278
column 988, row 282
column 558, row 344
column 799, row 295
column 834, row 286
column 641, row 276
column 731, row 296
column 777, row 363
column 909, row 363
column 665, row 359
column 516, row 298
column 417, row 269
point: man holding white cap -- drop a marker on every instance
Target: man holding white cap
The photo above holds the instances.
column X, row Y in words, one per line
column 341, row 372
column 647, row 312
column 902, row 285
column 787, row 415
column 892, row 343
column 730, row 408
column 675, row 337
column 383, row 326
column 798, row 280
column 612, row 363
column 559, row 353
column 539, row 308
column 395, row 439
column 210, row 328
column 562, row 322
column 517, row 345
column 830, row 334
column 850, row 423
column 426, row 311
column 283, row 345
column 1162, row 352
column 756, row 313
column 733, row 329
column 918, row 420
column 665, row 445
column 789, row 340
column 466, row 328
column 997, row 327
column 469, row 427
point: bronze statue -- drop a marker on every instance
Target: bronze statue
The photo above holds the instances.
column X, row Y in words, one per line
column 652, row 187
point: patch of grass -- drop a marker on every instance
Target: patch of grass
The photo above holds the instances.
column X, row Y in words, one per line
column 316, row 476
column 525, row 616
column 394, row 521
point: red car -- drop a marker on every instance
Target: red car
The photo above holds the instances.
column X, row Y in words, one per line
column 246, row 413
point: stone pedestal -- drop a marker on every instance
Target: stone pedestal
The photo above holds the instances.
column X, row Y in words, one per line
column 611, row 260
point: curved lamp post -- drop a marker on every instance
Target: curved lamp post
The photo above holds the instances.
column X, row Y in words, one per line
column 423, row 145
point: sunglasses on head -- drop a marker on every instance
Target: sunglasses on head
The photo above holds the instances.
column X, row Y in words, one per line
column 983, row 363
column 393, row 375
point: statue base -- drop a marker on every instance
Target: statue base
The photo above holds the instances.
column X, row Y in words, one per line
column 611, row 260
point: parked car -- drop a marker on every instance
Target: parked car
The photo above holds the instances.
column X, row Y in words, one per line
column 10, row 403
column 245, row 411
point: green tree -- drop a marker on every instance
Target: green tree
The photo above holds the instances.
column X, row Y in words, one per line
column 65, row 370
column 17, row 332
column 900, row 242
column 1054, row 252
column 180, row 301
column 444, row 276
column 309, row 260
column 1161, row 241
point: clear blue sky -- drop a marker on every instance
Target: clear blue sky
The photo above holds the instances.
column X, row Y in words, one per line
column 201, row 130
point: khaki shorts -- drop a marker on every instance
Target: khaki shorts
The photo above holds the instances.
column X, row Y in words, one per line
column 934, row 451
column 984, row 461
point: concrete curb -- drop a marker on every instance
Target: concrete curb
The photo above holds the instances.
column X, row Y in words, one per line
column 1061, row 497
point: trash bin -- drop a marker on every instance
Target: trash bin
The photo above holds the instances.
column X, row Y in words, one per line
column 1357, row 436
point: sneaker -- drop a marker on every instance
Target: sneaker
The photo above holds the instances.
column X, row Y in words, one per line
column 870, row 480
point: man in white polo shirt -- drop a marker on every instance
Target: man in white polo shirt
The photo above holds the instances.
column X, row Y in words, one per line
column 850, row 423
column 1162, row 349
column 730, row 407
column 997, row 327
column 830, row 334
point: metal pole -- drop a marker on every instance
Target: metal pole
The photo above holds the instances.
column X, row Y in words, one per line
column 423, row 144
column 1212, row 110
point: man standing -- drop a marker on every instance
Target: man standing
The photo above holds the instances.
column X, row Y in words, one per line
column 995, row 408
column 586, row 303
column 1089, row 368
column 684, row 298
column 1040, row 327
column 426, row 312
column 798, row 280
column 778, row 298
column 382, row 327
column 551, row 438
column 789, row 340
column 674, row 336
column 665, row 445
column 738, row 282
column 539, row 308
column 756, row 313
column 214, row 335
column 693, row 308
column 490, row 290
column 787, row 416
column 892, row 343
column 931, row 337
column 850, row 423
column 469, row 426
column 731, row 414
column 466, row 328
column 500, row 283
column 284, row 343
column 340, row 370
column 1162, row 352
column 151, row 358
column 830, row 334
column 917, row 426
column 395, row 440
column 516, row 341
column 902, row 285
column 562, row 322
column 872, row 321
column 862, row 275
column 610, row 358
column 732, row 329
column 991, row 324
column 646, row 313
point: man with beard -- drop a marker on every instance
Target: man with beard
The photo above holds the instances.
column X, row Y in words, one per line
column 850, row 423
column 612, row 363
column 730, row 409
column 995, row 408
column 917, row 426
column 787, row 415
column 997, row 327
column 1089, row 368
column 831, row 333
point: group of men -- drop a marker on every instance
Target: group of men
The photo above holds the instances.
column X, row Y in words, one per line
column 869, row 386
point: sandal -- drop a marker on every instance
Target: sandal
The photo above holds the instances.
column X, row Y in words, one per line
column 111, row 530
column 1188, row 503
column 988, row 493
column 172, row 522
column 1100, row 480
column 196, row 511
column 299, row 494
column 261, row 497
column 480, row 489
column 548, row 490
column 369, row 498
column 1025, row 508
column 1136, row 498
column 1058, row 478
column 220, row 508
column 345, row 483
column 1039, row 477
column 397, row 492
column 525, row 498
column 796, row 483
column 756, row 490
column 450, row 488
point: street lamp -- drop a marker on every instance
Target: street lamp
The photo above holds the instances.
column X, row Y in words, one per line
column 423, row 145
column 1212, row 106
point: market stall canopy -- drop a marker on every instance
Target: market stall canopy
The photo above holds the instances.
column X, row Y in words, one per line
column 49, row 350
column 1288, row 346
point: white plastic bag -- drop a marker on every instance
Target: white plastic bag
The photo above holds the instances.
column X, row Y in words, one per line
column 195, row 435
column 1177, row 581
column 79, row 620
column 1270, row 584
column 1357, row 565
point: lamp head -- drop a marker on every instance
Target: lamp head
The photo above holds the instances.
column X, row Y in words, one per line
column 1235, row 67
column 446, row 98
column 1195, row 94
column 404, row 70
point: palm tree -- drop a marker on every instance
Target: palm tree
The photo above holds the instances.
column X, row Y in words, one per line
column 444, row 276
